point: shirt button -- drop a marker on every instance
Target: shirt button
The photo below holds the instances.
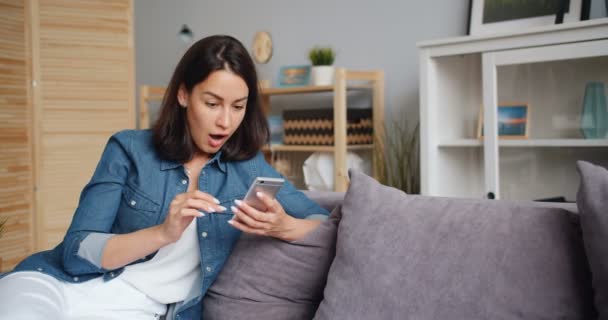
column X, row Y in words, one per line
column 208, row 269
column 75, row 278
column 133, row 203
column 112, row 274
column 39, row 269
column 184, row 181
column 204, row 234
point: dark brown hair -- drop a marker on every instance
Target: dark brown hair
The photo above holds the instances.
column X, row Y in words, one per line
column 171, row 133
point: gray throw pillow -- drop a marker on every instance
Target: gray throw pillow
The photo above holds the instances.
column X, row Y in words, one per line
column 404, row 256
column 266, row 278
column 592, row 201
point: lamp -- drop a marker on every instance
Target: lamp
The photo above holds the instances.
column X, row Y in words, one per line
column 185, row 34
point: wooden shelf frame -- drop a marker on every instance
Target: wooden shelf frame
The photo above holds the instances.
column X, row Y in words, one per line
column 375, row 81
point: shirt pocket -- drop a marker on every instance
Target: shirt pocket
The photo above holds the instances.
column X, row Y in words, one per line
column 136, row 210
column 226, row 230
column 228, row 202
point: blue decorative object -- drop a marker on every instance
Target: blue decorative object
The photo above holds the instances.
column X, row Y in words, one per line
column 275, row 124
column 594, row 119
column 294, row 76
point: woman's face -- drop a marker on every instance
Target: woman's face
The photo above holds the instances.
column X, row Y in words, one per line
column 215, row 108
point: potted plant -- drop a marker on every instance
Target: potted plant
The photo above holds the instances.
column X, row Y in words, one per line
column 2, row 224
column 322, row 60
column 401, row 166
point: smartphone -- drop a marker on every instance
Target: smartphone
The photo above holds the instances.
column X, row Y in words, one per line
column 269, row 186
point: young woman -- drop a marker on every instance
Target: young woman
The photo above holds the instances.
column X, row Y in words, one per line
column 162, row 211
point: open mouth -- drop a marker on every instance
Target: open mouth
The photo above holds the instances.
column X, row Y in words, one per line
column 216, row 140
column 217, row 136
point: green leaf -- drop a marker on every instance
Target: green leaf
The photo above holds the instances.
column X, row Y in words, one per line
column 321, row 56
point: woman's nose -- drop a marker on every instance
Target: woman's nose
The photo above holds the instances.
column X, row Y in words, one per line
column 223, row 118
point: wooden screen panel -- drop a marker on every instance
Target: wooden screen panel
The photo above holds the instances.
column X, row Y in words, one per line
column 16, row 164
column 86, row 93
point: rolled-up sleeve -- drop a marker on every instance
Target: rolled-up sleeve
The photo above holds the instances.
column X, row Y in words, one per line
column 97, row 208
column 294, row 201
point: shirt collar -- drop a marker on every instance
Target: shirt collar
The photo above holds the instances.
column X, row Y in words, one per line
column 221, row 164
column 217, row 158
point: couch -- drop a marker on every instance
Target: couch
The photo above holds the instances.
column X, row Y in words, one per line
column 383, row 254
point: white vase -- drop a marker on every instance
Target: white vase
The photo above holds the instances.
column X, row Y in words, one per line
column 322, row 75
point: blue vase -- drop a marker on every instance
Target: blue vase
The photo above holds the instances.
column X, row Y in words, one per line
column 594, row 119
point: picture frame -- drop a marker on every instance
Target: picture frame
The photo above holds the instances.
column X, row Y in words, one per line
column 294, row 76
column 495, row 16
column 512, row 121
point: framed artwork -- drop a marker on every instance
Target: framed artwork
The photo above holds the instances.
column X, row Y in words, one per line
column 512, row 121
column 494, row 16
column 294, row 76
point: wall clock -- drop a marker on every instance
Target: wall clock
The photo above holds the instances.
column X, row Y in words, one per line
column 262, row 47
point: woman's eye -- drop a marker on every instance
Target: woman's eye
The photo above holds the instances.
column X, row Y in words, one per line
column 211, row 104
column 239, row 107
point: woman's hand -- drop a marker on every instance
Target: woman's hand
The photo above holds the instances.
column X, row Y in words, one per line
column 183, row 209
column 274, row 222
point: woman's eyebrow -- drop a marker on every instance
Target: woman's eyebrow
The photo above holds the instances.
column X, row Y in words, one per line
column 220, row 98
column 213, row 94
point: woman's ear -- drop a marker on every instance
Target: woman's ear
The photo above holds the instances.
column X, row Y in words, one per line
column 182, row 96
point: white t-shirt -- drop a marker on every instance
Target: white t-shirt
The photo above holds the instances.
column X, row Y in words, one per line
column 171, row 274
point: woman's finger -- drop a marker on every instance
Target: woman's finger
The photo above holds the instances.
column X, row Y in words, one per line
column 252, row 212
column 241, row 226
column 190, row 213
column 247, row 220
column 197, row 194
column 270, row 203
column 204, row 205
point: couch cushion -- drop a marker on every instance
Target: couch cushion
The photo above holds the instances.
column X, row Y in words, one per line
column 404, row 256
column 266, row 278
column 326, row 199
column 592, row 200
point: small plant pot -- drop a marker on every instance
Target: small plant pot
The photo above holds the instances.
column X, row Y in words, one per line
column 322, row 75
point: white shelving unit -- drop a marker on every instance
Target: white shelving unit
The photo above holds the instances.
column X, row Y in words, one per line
column 545, row 67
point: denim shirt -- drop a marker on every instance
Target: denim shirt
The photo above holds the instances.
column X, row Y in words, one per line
column 132, row 189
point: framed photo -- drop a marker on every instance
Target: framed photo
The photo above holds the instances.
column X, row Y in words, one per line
column 512, row 121
column 294, row 76
column 494, row 16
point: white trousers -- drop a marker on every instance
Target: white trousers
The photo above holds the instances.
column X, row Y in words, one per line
column 34, row 295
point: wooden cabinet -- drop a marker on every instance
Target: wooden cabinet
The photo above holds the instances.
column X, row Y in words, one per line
column 67, row 84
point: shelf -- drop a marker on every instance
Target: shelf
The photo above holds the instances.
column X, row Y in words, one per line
column 529, row 143
column 295, row 90
column 308, row 89
column 461, row 143
column 313, row 148
column 555, row 143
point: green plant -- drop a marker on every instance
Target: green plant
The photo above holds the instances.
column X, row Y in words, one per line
column 401, row 165
column 321, row 56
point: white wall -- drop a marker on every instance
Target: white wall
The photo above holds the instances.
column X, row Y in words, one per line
column 366, row 35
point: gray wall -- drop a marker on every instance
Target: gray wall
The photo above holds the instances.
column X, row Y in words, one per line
column 366, row 35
